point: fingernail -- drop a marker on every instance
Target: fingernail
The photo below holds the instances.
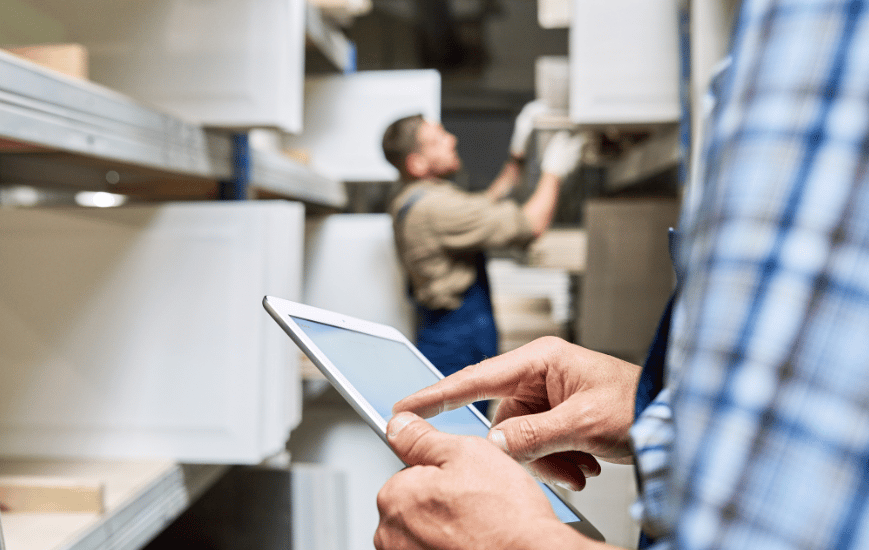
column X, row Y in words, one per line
column 565, row 485
column 399, row 421
column 497, row 437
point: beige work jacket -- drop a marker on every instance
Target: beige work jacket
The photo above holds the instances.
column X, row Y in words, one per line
column 441, row 231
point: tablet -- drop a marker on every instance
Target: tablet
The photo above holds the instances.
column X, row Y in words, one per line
column 373, row 366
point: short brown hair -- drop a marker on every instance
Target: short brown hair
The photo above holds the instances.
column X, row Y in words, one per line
column 400, row 140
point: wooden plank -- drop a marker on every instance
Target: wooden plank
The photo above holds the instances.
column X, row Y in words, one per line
column 342, row 10
column 69, row 59
column 50, row 494
column 560, row 248
column 140, row 497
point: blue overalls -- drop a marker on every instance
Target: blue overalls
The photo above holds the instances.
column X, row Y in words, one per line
column 455, row 338
column 652, row 376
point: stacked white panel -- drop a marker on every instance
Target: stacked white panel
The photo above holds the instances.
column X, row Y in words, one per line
column 351, row 267
column 229, row 63
column 624, row 62
column 319, row 506
column 346, row 115
column 139, row 332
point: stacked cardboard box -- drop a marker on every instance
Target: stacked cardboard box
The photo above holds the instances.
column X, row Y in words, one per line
column 629, row 276
column 529, row 302
column 69, row 59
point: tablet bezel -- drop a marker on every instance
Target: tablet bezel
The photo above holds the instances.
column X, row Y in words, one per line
column 283, row 311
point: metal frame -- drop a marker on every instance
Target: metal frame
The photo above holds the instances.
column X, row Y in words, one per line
column 61, row 131
column 236, row 188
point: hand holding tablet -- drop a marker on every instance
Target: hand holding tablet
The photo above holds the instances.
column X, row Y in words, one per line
column 462, row 481
column 556, row 397
column 374, row 366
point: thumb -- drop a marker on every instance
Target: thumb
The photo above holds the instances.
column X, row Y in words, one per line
column 418, row 443
column 534, row 436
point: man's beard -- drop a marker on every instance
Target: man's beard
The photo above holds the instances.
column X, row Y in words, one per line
column 448, row 173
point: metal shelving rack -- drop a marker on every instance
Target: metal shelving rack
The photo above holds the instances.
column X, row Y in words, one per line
column 62, row 131
column 41, row 110
column 141, row 498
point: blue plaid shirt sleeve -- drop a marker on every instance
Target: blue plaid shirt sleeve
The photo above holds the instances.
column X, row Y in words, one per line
column 768, row 365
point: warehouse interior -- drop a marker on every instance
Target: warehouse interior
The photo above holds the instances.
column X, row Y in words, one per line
column 166, row 164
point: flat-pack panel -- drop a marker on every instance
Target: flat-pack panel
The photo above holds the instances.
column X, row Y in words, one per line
column 346, row 115
column 624, row 62
column 138, row 332
column 351, row 266
column 227, row 63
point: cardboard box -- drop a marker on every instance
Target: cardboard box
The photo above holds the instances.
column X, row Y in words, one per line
column 629, row 275
column 561, row 248
column 69, row 59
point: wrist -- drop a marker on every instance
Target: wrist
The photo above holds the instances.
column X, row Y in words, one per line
column 551, row 178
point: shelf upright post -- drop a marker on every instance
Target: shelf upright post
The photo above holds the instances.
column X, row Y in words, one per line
column 236, row 188
column 352, row 57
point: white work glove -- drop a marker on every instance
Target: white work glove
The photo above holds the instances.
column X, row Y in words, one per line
column 524, row 126
column 562, row 154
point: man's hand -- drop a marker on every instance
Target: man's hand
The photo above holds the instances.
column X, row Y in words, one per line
column 461, row 492
column 524, row 126
column 560, row 404
column 563, row 153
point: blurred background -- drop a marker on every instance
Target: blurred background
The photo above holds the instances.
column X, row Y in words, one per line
column 166, row 164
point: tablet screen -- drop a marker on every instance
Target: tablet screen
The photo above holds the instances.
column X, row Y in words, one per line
column 385, row 371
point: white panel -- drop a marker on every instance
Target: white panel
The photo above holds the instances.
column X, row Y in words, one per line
column 346, row 115
column 335, row 436
column 552, row 82
column 624, row 62
column 606, row 502
column 232, row 63
column 351, row 267
column 319, row 507
column 553, row 14
column 139, row 332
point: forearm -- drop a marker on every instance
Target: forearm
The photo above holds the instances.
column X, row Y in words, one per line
column 507, row 179
column 540, row 207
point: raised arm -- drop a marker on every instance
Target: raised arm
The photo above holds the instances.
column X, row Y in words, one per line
column 562, row 155
column 511, row 172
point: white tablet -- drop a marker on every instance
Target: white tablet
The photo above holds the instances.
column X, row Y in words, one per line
column 373, row 366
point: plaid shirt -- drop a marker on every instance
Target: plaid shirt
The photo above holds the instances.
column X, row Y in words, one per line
column 761, row 439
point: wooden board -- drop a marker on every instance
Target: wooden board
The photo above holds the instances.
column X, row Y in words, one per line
column 49, row 494
column 69, row 59
column 141, row 497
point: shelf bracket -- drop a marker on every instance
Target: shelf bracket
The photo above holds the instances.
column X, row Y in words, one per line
column 236, row 188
